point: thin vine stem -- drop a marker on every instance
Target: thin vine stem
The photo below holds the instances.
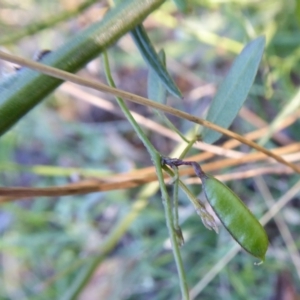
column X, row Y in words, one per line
column 177, row 228
column 189, row 146
column 156, row 159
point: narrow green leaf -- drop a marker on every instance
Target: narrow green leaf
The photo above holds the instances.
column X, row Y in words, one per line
column 156, row 90
column 234, row 89
column 149, row 54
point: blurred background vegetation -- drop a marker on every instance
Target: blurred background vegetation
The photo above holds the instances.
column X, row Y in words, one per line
column 48, row 243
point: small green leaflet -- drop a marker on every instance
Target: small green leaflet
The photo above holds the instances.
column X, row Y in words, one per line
column 149, row 54
column 234, row 89
column 158, row 93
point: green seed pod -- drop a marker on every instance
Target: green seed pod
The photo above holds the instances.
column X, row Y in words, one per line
column 236, row 217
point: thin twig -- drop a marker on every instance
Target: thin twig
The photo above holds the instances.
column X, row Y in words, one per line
column 130, row 179
column 138, row 99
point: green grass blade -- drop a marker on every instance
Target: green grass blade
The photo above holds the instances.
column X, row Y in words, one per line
column 24, row 90
column 234, row 89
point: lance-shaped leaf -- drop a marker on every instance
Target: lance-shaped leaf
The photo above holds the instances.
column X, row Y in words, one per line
column 156, row 90
column 234, row 89
column 149, row 54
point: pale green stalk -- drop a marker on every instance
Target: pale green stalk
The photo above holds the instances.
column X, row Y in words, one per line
column 177, row 228
column 188, row 147
column 156, row 159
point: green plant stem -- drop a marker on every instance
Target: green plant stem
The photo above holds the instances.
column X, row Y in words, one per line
column 172, row 233
column 152, row 151
column 188, row 147
column 35, row 27
column 168, row 123
column 177, row 228
column 156, row 159
column 175, row 198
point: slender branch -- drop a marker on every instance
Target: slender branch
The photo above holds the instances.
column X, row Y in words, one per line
column 188, row 146
column 179, row 235
column 172, row 232
column 135, row 178
column 141, row 100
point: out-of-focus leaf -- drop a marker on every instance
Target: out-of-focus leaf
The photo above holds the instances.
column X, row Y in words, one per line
column 156, row 90
column 297, row 11
column 234, row 89
column 182, row 5
column 149, row 54
column 289, row 108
